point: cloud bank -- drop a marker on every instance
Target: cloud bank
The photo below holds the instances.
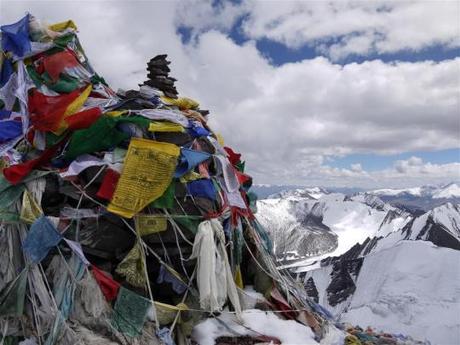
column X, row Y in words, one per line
column 289, row 121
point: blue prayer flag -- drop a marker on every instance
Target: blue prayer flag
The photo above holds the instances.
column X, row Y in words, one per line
column 196, row 131
column 10, row 130
column 41, row 238
column 15, row 37
column 188, row 160
column 6, row 72
column 203, row 188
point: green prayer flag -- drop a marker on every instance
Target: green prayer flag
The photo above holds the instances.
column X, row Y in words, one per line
column 9, row 193
column 240, row 166
column 64, row 84
column 64, row 40
column 130, row 312
column 167, row 199
column 9, row 340
column 12, row 296
column 102, row 135
column 9, row 217
column 190, row 222
column 252, row 201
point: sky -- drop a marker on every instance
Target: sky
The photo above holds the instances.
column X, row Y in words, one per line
column 345, row 94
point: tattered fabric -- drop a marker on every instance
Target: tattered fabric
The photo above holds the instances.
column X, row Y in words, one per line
column 41, row 238
column 108, row 185
column 10, row 129
column 164, row 276
column 132, row 268
column 13, row 295
column 16, row 173
column 214, row 276
column 109, row 287
column 15, row 37
column 102, row 135
column 130, row 312
column 56, row 63
column 203, row 188
column 188, row 160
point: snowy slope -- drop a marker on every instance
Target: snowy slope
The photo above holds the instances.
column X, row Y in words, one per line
column 407, row 281
column 303, row 227
column 419, row 198
column 450, row 191
column 304, row 192
column 440, row 226
column 256, row 322
column 411, row 288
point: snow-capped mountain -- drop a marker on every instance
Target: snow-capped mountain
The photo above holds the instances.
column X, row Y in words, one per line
column 305, row 192
column 263, row 191
column 420, row 198
column 451, row 190
column 407, row 281
column 307, row 223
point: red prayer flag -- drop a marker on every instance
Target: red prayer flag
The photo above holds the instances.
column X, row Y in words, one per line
column 233, row 157
column 55, row 64
column 83, row 119
column 108, row 185
column 109, row 287
column 46, row 112
column 15, row 173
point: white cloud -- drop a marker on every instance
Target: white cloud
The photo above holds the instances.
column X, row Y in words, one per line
column 404, row 173
column 356, row 167
column 203, row 15
column 356, row 27
column 289, row 120
column 414, row 172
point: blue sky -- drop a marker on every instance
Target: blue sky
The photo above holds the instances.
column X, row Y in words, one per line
column 372, row 162
column 278, row 54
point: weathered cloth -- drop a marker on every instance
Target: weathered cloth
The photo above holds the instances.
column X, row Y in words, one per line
column 41, row 238
column 130, row 312
column 12, row 296
column 147, row 224
column 133, row 267
column 214, row 276
column 30, row 210
column 189, row 159
column 109, row 287
column 15, row 37
column 167, row 199
column 164, row 276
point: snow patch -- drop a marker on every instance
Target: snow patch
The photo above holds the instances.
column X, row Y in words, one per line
column 412, row 288
column 257, row 322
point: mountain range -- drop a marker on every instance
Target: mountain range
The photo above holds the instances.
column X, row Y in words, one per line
column 374, row 262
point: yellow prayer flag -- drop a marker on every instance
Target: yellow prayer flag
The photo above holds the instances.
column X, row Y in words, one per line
column 116, row 113
column 147, row 172
column 147, row 224
column 239, row 278
column 182, row 102
column 73, row 107
column 190, row 176
column 220, row 139
column 166, row 313
column 158, row 126
column 58, row 27
column 30, row 210
column 133, row 267
column 79, row 101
